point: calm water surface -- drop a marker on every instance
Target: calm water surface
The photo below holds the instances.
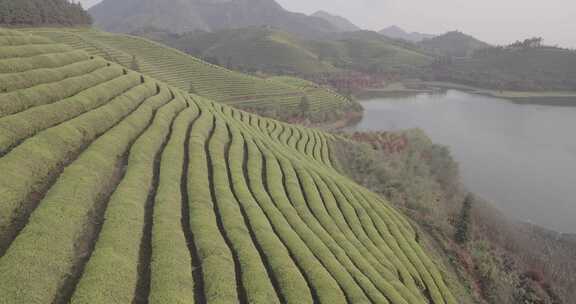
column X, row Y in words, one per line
column 520, row 157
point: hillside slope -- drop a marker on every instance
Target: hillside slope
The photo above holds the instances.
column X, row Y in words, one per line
column 454, row 43
column 258, row 48
column 193, row 75
column 42, row 13
column 541, row 68
column 367, row 51
column 112, row 181
column 179, row 16
column 339, row 22
column 279, row 52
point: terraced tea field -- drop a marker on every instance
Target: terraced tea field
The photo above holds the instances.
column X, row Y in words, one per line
column 318, row 95
column 193, row 75
column 117, row 188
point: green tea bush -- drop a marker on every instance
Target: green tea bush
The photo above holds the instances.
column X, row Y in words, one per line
column 171, row 272
column 27, row 168
column 113, row 265
column 20, row 126
column 45, row 253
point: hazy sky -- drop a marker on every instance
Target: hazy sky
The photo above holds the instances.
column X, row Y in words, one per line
column 495, row 21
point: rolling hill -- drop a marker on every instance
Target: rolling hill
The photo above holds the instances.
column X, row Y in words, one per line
column 455, row 44
column 541, row 68
column 368, row 51
column 180, row 16
column 278, row 52
column 193, row 75
column 256, row 47
column 118, row 188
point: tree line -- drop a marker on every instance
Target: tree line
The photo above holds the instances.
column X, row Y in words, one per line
column 42, row 13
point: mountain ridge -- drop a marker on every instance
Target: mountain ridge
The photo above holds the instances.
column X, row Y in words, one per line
column 397, row 32
column 341, row 23
column 180, row 16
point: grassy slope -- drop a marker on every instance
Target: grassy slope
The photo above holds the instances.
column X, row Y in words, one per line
column 453, row 44
column 535, row 69
column 367, row 51
column 315, row 92
column 262, row 48
column 275, row 51
column 188, row 73
column 130, row 189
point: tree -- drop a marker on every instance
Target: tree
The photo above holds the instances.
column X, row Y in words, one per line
column 42, row 13
column 304, row 104
column 192, row 90
column 212, row 59
column 462, row 235
column 229, row 63
column 134, row 66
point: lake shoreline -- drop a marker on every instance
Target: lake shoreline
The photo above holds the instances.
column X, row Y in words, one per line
column 413, row 88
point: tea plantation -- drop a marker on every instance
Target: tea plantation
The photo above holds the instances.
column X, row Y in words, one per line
column 194, row 75
column 119, row 188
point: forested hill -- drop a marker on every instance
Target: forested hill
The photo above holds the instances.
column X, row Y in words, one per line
column 42, row 13
column 527, row 65
column 456, row 44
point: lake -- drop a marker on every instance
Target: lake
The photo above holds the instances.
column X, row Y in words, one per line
column 520, row 157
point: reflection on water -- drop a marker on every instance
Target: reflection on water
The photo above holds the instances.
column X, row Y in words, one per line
column 521, row 157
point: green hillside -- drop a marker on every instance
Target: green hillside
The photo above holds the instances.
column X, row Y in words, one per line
column 118, row 188
column 368, row 51
column 278, row 52
column 540, row 68
column 294, row 81
column 251, row 48
column 453, row 43
column 191, row 74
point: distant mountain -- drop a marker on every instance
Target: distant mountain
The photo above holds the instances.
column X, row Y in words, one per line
column 42, row 13
column 179, row 16
column 341, row 23
column 453, row 43
column 398, row 33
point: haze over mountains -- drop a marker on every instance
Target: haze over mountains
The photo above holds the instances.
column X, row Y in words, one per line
column 439, row 18
column 399, row 33
column 208, row 15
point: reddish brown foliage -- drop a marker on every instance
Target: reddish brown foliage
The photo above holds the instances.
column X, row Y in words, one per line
column 388, row 142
